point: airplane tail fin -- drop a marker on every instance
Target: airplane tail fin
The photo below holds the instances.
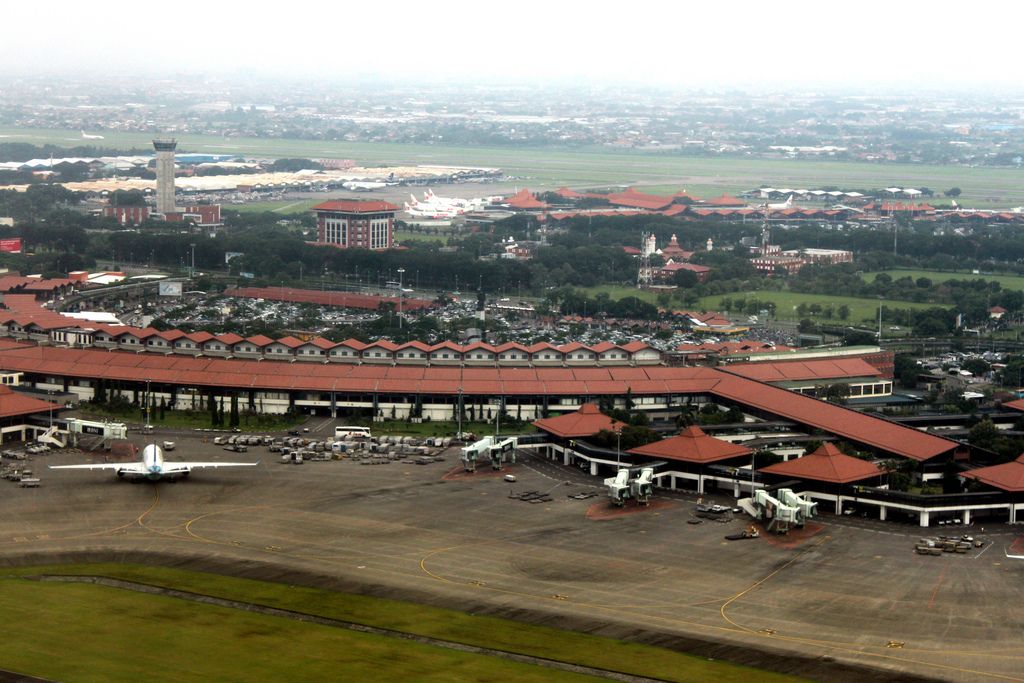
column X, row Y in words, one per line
column 955, row 205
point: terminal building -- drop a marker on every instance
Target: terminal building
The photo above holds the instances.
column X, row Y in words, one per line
column 355, row 224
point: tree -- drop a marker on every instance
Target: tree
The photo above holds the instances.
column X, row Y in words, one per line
column 843, row 312
column 952, row 192
column 234, row 421
column 838, row 393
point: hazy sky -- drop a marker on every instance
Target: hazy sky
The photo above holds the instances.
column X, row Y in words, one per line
column 862, row 43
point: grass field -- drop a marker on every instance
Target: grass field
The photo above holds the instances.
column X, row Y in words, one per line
column 403, row 236
column 284, row 207
column 108, row 634
column 549, row 168
column 1006, row 281
column 861, row 310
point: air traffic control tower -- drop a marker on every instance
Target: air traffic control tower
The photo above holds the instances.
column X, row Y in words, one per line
column 165, row 175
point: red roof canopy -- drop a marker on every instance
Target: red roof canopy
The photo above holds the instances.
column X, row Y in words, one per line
column 725, row 200
column 631, row 197
column 693, row 445
column 838, row 368
column 1009, row 476
column 586, row 421
column 13, row 404
column 827, row 464
column 525, row 200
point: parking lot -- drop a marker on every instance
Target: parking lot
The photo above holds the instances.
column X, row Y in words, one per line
column 848, row 590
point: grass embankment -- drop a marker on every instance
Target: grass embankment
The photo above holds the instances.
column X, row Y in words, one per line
column 547, row 168
column 110, row 634
column 188, row 419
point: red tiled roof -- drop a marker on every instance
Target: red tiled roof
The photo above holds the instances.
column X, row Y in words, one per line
column 857, row 427
column 693, row 445
column 259, row 340
column 850, row 424
column 355, row 206
column 1008, row 476
column 290, row 342
column 725, row 200
column 322, row 343
column 827, row 464
column 229, row 338
column 13, row 404
column 782, row 371
column 586, row 421
column 171, row 335
column 631, row 197
column 726, row 348
column 525, row 200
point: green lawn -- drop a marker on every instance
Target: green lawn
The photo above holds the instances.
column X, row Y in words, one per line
column 93, row 633
column 283, row 207
column 403, row 236
column 599, row 166
column 161, row 638
column 861, row 310
column 1006, row 281
column 190, row 419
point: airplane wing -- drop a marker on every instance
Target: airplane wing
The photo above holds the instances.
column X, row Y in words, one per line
column 179, row 467
column 128, row 467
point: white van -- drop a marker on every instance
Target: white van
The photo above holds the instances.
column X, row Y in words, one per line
column 351, row 432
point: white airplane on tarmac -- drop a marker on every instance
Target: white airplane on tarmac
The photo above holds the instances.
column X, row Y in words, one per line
column 433, row 206
column 88, row 136
column 152, row 467
column 362, row 186
column 783, row 205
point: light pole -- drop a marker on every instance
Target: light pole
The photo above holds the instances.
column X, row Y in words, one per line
column 146, row 399
column 458, row 409
column 401, row 294
column 49, row 395
column 192, row 272
column 618, row 449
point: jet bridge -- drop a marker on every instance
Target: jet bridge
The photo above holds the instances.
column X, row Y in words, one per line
column 496, row 450
column 780, row 512
column 618, row 488
column 621, row 488
column 642, row 487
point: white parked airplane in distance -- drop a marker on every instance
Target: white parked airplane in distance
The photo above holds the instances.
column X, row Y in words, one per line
column 783, row 205
column 152, row 467
column 89, row 136
column 357, row 186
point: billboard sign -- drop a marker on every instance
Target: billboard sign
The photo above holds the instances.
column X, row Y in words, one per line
column 170, row 288
column 11, row 245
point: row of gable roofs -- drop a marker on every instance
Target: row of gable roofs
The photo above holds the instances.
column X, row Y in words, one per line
column 25, row 311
